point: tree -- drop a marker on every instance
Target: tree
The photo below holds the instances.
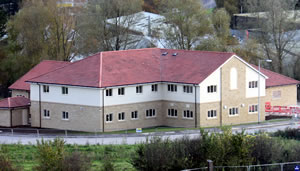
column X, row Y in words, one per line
column 186, row 22
column 3, row 20
column 107, row 26
column 277, row 29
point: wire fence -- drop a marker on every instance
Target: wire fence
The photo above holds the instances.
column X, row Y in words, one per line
column 288, row 166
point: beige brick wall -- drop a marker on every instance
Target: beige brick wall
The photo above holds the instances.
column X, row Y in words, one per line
column 81, row 118
column 15, row 93
column 288, row 95
column 17, row 117
column 209, row 122
column 237, row 97
column 5, row 117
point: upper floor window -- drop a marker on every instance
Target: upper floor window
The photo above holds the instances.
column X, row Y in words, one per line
column 172, row 87
column 64, row 90
column 253, row 84
column 134, row 115
column 65, row 115
column 109, row 117
column 154, row 87
column 172, row 112
column 188, row 114
column 253, row 108
column 212, row 114
column 212, row 89
column 150, row 113
column 46, row 113
column 233, row 78
column 139, row 89
column 109, row 92
column 121, row 91
column 45, row 88
column 122, row 116
column 188, row 89
column 234, row 111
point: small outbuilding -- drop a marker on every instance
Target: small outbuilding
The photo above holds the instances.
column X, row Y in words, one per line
column 14, row 111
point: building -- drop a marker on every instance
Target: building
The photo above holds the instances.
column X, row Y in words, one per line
column 131, row 89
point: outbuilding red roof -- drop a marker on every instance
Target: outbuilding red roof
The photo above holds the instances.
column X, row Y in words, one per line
column 115, row 68
column 13, row 102
column 40, row 69
column 276, row 79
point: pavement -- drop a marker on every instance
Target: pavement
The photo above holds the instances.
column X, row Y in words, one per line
column 136, row 138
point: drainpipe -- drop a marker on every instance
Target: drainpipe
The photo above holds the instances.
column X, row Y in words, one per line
column 40, row 105
column 221, row 98
column 195, row 106
column 11, row 124
column 103, row 110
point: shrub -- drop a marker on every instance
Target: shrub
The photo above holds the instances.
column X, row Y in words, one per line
column 107, row 164
column 6, row 164
column 289, row 133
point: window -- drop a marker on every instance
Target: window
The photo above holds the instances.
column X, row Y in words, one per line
column 65, row 115
column 212, row 114
column 109, row 92
column 187, row 114
column 150, row 113
column 109, row 117
column 253, row 84
column 172, row 113
column 154, row 87
column 121, row 91
column 134, row 115
column 46, row 113
column 233, row 78
column 253, row 108
column 212, row 89
column 188, row 89
column 45, row 89
column 234, row 111
column 64, row 90
column 172, row 87
column 139, row 89
column 276, row 94
column 122, row 116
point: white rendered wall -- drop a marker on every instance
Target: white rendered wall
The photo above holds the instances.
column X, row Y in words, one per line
column 76, row 95
column 251, row 75
column 179, row 96
column 213, row 79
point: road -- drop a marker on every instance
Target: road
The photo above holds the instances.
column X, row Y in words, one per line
column 142, row 137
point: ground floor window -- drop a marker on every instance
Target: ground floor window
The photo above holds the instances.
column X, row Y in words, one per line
column 122, row 116
column 109, row 117
column 134, row 115
column 65, row 115
column 233, row 111
column 172, row 112
column 212, row 113
column 253, row 108
column 46, row 113
column 187, row 114
column 150, row 113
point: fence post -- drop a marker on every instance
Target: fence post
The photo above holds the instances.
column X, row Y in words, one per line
column 210, row 165
column 281, row 166
column 12, row 131
column 66, row 133
column 38, row 132
column 248, row 168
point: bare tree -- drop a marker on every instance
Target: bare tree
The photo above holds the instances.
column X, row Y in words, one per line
column 107, row 26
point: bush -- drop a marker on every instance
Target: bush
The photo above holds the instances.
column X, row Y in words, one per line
column 107, row 164
column 289, row 133
column 76, row 161
column 6, row 164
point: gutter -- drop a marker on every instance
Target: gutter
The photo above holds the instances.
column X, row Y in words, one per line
column 196, row 106
column 10, row 110
column 40, row 105
column 103, row 110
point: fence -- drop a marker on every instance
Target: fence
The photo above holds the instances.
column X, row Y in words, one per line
column 288, row 166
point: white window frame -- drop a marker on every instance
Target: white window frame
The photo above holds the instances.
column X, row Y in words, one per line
column 150, row 113
column 109, row 92
column 252, row 84
column 172, row 87
column 65, row 115
column 187, row 89
column 121, row 91
column 122, row 118
column 211, row 114
column 233, row 111
column 110, row 119
column 46, row 88
column 154, row 87
column 64, row 90
column 46, row 114
column 134, row 113
column 212, row 89
column 172, row 113
column 253, row 108
column 139, row 89
column 188, row 114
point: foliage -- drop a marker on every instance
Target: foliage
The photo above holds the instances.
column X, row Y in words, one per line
column 3, row 20
column 76, row 161
column 187, row 22
column 288, row 133
column 6, row 164
column 249, row 51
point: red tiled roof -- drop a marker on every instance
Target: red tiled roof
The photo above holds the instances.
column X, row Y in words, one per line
column 40, row 69
column 13, row 102
column 116, row 68
column 276, row 79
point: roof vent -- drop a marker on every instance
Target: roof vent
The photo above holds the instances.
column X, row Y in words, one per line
column 165, row 54
column 175, row 54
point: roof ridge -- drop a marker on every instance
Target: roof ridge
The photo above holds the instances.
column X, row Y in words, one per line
column 116, row 51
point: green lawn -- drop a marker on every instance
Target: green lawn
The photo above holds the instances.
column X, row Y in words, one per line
column 24, row 156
